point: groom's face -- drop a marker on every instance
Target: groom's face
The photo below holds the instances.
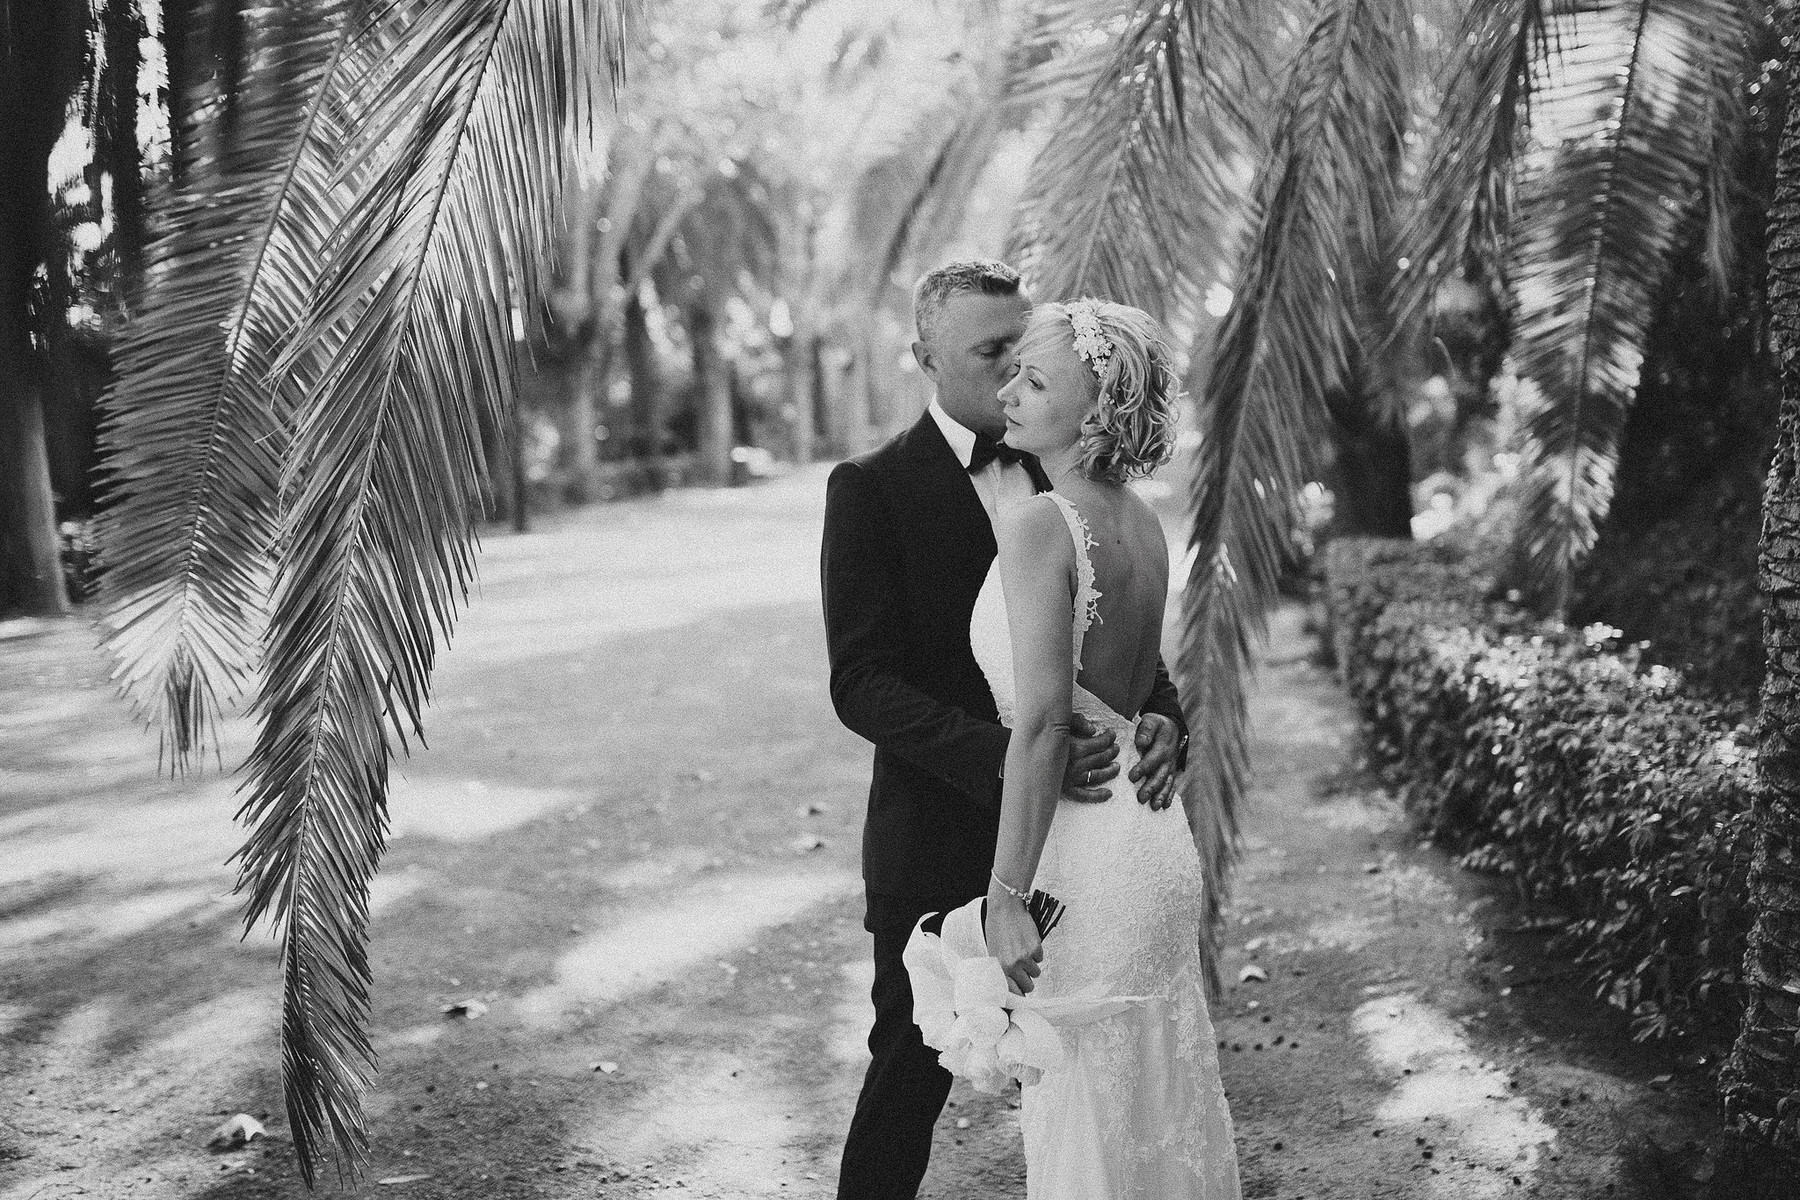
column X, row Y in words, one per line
column 968, row 355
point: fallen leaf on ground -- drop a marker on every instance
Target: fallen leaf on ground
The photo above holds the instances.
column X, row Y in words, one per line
column 1253, row 974
column 465, row 1008
column 809, row 842
column 240, row 1130
column 605, row 1068
column 393, row 1179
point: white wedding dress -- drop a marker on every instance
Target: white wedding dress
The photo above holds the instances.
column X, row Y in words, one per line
column 1137, row 1112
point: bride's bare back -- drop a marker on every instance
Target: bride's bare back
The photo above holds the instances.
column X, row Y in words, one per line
column 1130, row 554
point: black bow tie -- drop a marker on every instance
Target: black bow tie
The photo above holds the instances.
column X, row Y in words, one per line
column 989, row 450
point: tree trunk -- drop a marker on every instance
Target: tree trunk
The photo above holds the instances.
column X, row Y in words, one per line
column 1372, row 480
column 713, row 384
column 178, row 19
column 796, row 387
column 633, row 164
column 1761, row 1079
column 118, row 143
column 40, row 49
column 30, row 553
column 515, row 463
column 582, row 422
column 854, row 395
column 196, row 37
column 646, row 390
column 817, row 394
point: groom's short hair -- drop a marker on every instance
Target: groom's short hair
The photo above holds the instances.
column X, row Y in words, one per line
column 982, row 276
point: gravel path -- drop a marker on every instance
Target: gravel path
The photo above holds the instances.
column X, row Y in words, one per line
column 634, row 841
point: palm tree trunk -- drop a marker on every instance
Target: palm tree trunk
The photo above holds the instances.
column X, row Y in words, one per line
column 31, row 578
column 713, row 383
column 817, row 394
column 202, row 43
column 854, row 396
column 583, row 423
column 602, row 275
column 178, row 20
column 515, row 467
column 646, row 390
column 118, row 132
column 40, row 48
column 1761, row 1079
column 797, row 390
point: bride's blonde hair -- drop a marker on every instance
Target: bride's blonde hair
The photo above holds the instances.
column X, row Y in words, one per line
column 1137, row 393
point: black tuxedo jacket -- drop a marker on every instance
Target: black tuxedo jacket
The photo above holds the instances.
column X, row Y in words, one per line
column 907, row 547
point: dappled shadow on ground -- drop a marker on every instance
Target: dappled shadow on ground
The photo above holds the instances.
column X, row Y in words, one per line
column 634, row 840
column 657, row 911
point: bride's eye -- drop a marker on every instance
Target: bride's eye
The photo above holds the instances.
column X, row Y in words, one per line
column 1012, row 370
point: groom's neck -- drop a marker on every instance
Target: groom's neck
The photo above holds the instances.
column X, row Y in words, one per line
column 972, row 417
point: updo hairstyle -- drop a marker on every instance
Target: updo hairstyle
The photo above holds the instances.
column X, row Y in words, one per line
column 1131, row 431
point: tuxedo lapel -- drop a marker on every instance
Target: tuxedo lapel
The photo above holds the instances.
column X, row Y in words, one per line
column 948, row 503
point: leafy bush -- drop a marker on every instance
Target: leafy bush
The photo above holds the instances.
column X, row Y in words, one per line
column 1549, row 754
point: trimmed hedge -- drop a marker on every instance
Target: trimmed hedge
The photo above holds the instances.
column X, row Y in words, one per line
column 1551, row 755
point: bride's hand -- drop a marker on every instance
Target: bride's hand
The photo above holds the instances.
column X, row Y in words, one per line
column 1012, row 937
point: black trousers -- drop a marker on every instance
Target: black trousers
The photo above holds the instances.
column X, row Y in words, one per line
column 905, row 1089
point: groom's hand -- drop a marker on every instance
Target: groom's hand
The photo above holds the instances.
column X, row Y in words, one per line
column 1093, row 761
column 1157, row 738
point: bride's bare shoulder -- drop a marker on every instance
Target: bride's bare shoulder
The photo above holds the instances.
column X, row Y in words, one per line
column 1145, row 525
column 1033, row 528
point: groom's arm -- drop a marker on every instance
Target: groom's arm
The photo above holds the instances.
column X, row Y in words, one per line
column 1166, row 701
column 863, row 596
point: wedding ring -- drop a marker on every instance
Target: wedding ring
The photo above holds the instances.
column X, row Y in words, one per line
column 1087, row 780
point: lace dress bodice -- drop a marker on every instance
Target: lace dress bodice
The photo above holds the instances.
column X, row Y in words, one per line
column 990, row 637
column 1140, row 1111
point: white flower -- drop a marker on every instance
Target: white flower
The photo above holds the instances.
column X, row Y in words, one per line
column 981, row 1030
column 1090, row 340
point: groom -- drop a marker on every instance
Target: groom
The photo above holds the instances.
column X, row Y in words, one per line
column 908, row 542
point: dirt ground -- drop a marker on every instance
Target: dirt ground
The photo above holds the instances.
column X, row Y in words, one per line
column 635, row 840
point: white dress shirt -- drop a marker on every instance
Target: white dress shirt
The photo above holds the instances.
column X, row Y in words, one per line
column 998, row 484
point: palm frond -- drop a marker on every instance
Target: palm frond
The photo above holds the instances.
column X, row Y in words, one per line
column 1727, row 119
column 192, row 437
column 1144, row 165
column 912, row 195
column 910, row 201
column 1322, row 201
column 1600, row 214
column 1462, row 215
column 464, row 132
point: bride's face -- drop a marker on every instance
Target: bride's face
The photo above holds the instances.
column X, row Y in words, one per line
column 1051, row 393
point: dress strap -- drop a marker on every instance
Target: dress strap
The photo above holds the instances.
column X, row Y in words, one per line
column 1087, row 596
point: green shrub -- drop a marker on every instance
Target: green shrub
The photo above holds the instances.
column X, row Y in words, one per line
column 1550, row 755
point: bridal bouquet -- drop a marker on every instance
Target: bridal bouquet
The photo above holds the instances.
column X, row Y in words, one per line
column 981, row 1030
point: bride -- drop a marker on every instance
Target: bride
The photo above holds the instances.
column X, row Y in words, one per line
column 1070, row 620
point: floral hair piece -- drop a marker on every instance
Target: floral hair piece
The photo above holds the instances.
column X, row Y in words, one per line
column 1090, row 341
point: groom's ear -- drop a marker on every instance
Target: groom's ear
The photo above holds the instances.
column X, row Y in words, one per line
column 922, row 356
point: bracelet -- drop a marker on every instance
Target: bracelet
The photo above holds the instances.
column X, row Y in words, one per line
column 1015, row 893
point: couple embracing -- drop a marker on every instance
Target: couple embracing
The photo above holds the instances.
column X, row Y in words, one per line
column 993, row 600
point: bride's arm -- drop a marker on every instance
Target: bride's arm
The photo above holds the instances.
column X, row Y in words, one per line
column 1037, row 570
